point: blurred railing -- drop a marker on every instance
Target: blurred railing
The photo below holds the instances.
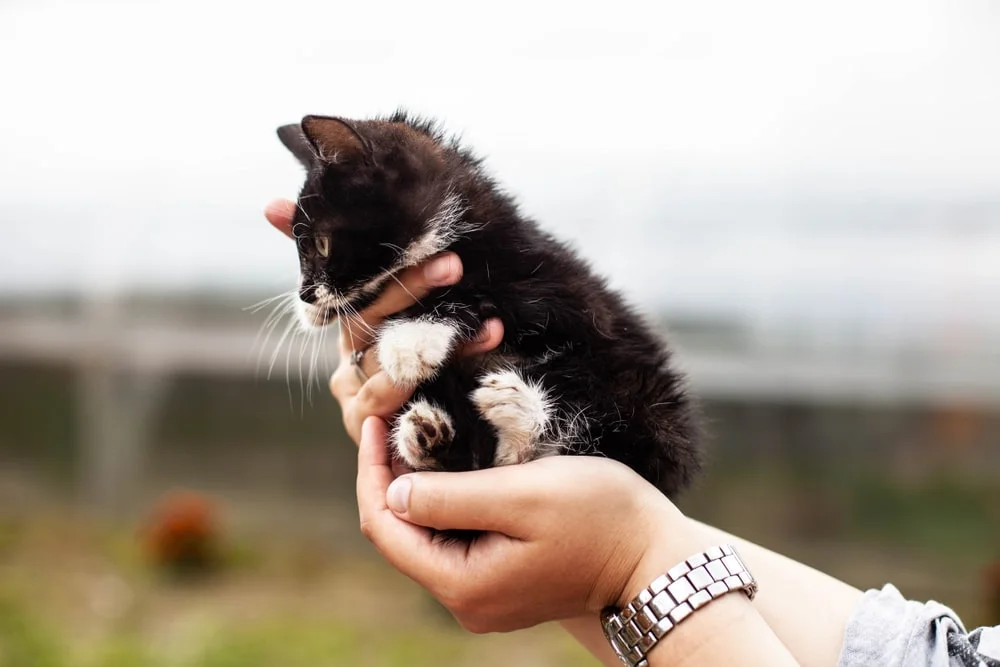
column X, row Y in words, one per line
column 127, row 362
column 748, row 366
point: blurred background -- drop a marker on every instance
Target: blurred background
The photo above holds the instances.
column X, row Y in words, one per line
column 805, row 196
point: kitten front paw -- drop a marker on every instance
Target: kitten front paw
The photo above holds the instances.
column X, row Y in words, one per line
column 519, row 411
column 421, row 432
column 411, row 351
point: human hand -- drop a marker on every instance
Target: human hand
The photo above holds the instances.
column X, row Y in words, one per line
column 360, row 398
column 565, row 536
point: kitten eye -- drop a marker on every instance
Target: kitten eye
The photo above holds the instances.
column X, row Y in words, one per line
column 323, row 245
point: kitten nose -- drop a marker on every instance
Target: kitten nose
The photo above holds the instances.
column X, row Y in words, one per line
column 313, row 293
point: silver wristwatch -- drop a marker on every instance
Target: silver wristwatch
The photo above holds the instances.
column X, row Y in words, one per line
column 672, row 597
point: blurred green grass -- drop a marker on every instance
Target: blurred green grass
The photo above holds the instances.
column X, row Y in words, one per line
column 26, row 641
column 81, row 594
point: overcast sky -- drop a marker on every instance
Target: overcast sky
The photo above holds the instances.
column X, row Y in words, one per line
column 137, row 138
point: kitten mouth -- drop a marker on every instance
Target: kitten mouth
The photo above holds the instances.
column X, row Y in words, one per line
column 325, row 310
column 328, row 306
column 313, row 316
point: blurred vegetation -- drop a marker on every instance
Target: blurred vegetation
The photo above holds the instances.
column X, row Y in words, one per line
column 26, row 641
column 870, row 494
column 78, row 593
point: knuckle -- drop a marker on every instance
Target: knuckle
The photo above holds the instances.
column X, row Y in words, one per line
column 366, row 398
column 338, row 382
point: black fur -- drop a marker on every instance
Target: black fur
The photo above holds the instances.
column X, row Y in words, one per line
column 372, row 186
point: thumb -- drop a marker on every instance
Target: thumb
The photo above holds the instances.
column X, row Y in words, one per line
column 475, row 500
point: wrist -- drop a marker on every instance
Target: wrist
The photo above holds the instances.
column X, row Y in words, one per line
column 661, row 607
column 672, row 540
column 719, row 633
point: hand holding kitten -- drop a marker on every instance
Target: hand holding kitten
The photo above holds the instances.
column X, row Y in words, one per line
column 565, row 536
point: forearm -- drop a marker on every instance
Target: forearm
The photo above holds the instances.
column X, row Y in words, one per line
column 727, row 631
column 803, row 608
column 587, row 631
column 807, row 609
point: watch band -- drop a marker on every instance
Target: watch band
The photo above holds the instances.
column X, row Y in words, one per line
column 672, row 597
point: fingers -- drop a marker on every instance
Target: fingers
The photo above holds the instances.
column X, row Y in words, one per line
column 381, row 397
column 369, row 365
column 280, row 213
column 378, row 397
column 494, row 500
column 490, row 336
column 413, row 284
column 345, row 383
column 408, row 547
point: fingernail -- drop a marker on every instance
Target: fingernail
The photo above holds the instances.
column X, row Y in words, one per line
column 398, row 496
column 440, row 270
column 484, row 334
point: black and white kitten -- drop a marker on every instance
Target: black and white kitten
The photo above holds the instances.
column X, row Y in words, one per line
column 578, row 371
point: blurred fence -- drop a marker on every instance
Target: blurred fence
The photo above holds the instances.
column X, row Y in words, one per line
column 787, row 397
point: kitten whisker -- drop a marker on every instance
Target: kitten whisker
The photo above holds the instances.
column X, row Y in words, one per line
column 261, row 304
column 302, row 384
column 299, row 206
column 270, row 323
column 281, row 341
column 353, row 314
column 314, row 357
column 288, row 376
column 350, row 332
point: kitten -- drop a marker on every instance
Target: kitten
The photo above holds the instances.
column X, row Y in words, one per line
column 578, row 371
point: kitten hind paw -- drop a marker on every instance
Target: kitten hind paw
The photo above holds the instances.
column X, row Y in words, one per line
column 519, row 411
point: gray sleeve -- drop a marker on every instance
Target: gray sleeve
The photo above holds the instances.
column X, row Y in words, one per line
column 887, row 630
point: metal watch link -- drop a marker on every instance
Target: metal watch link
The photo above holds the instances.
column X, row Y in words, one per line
column 672, row 597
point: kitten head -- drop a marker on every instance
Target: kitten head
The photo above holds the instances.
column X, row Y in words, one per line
column 376, row 200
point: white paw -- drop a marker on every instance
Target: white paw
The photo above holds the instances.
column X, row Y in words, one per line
column 520, row 413
column 420, row 431
column 411, row 351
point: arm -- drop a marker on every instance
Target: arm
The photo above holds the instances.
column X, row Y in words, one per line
column 806, row 609
column 726, row 632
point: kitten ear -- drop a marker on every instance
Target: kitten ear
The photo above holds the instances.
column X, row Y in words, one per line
column 295, row 140
column 335, row 139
